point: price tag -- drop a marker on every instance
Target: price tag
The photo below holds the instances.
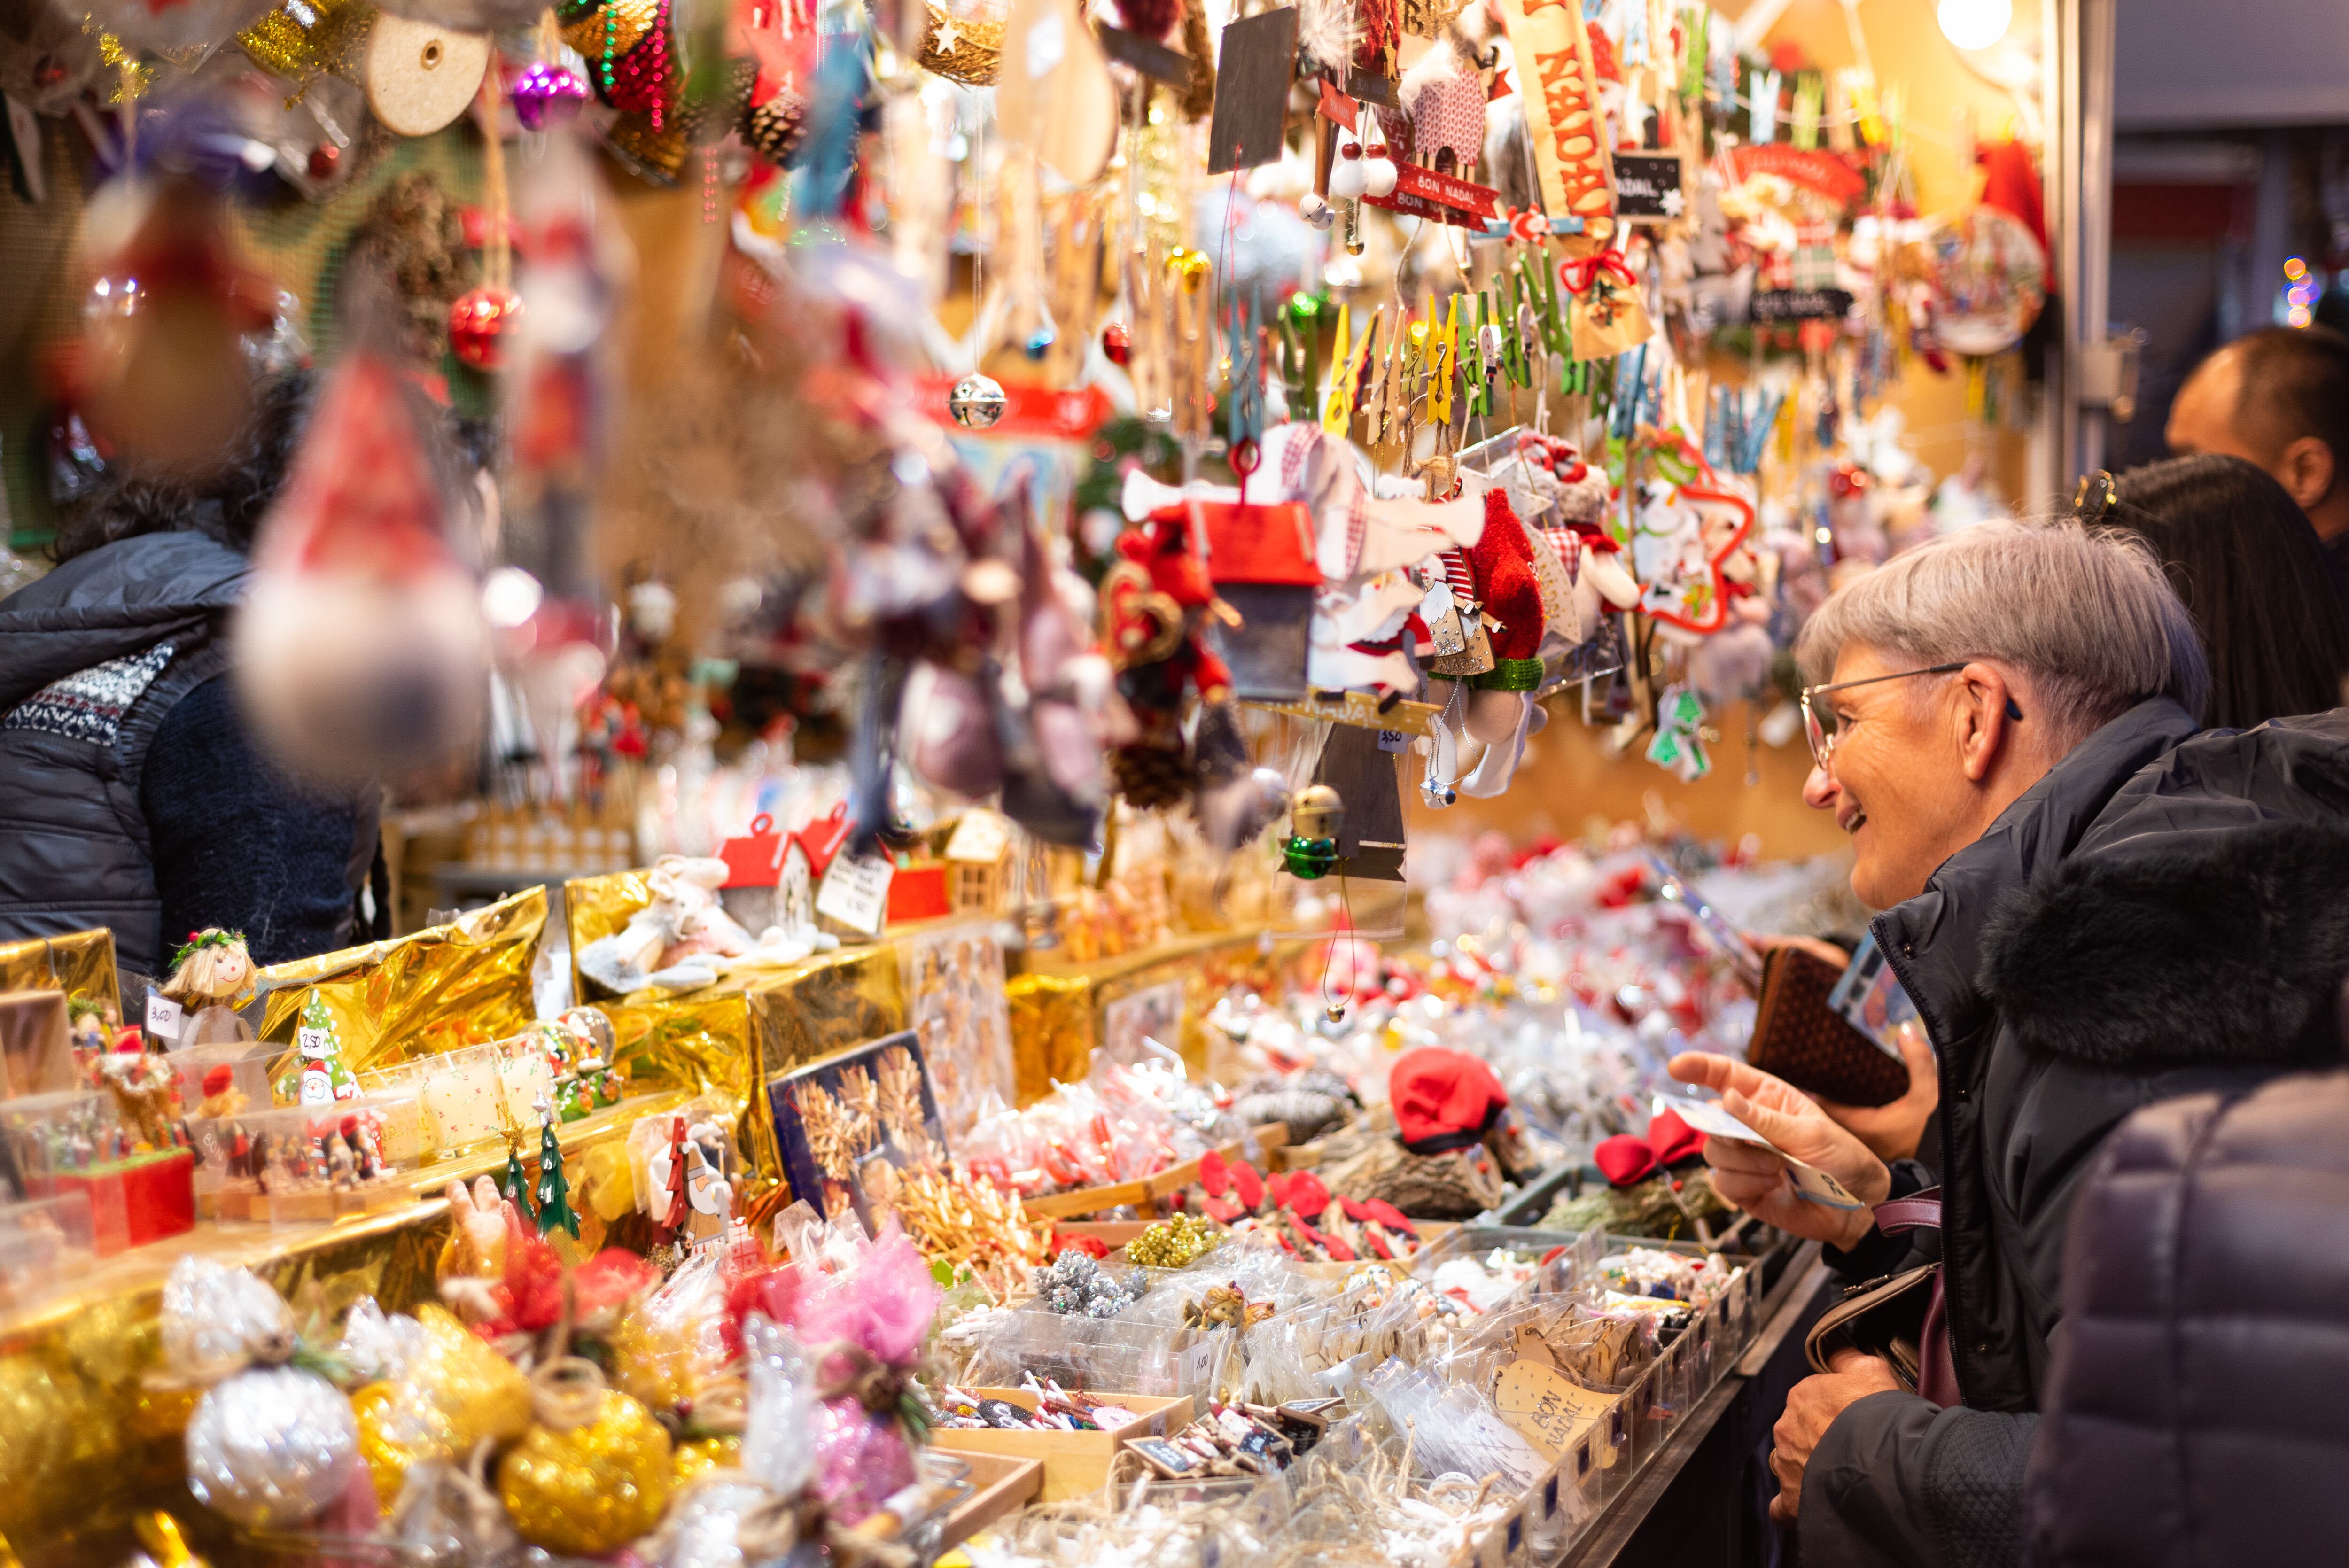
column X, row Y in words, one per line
column 1197, row 1363
column 1811, row 1182
column 855, row 893
column 1392, row 740
column 980, row 838
column 313, row 1042
column 164, row 1016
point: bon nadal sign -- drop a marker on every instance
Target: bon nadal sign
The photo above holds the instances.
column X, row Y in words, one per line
column 1563, row 115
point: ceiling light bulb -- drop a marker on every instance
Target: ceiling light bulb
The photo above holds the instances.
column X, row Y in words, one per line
column 1975, row 23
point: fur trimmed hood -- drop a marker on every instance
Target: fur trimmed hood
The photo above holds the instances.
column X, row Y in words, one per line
column 2212, row 948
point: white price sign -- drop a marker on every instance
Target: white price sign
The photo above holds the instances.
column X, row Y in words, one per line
column 855, row 893
column 163, row 1015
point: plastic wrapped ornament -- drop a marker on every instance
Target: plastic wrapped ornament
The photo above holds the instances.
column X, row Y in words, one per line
column 272, row 1448
column 546, row 96
column 1314, row 822
column 360, row 646
column 454, row 1393
column 862, row 1457
column 589, row 1488
column 479, row 324
column 268, row 1445
column 977, row 402
column 164, row 26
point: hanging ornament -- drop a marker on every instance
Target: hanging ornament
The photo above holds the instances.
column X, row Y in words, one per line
column 594, row 1474
column 546, row 96
column 977, row 402
column 419, row 78
column 1314, row 821
column 777, row 129
column 360, row 644
column 1117, row 343
column 478, row 323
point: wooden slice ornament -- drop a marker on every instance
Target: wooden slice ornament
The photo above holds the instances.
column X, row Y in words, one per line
column 1053, row 89
column 421, row 77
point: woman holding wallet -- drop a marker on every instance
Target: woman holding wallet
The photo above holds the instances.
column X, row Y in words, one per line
column 2088, row 903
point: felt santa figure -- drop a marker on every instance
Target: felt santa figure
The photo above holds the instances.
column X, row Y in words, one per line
column 1154, row 603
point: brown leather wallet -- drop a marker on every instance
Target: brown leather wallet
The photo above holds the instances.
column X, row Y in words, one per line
column 1801, row 1040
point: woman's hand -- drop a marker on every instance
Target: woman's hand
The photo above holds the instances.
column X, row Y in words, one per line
column 1892, row 1131
column 1756, row 1181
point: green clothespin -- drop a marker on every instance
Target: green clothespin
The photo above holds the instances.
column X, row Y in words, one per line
column 1471, row 360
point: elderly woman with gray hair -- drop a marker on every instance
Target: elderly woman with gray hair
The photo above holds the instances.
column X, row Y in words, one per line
column 2094, row 906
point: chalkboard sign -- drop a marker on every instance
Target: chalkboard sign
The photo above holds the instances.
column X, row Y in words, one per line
column 1252, row 77
column 1801, row 305
column 1647, row 186
column 1150, row 57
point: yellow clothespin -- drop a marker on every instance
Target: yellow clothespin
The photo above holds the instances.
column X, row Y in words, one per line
column 1338, row 400
column 1445, row 364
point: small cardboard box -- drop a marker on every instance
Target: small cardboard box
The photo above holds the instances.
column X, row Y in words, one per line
column 1075, row 1463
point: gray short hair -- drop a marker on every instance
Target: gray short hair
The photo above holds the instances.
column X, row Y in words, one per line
column 2087, row 614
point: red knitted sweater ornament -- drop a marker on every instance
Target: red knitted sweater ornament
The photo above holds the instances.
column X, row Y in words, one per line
column 1506, row 584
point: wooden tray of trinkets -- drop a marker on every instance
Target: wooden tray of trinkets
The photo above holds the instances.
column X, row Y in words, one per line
column 1075, row 1463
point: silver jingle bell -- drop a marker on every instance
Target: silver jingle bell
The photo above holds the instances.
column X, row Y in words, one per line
column 977, row 402
column 1316, row 211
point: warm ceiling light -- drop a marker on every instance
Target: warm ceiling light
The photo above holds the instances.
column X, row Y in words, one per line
column 1975, row 23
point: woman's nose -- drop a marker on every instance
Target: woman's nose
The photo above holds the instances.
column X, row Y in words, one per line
column 1820, row 789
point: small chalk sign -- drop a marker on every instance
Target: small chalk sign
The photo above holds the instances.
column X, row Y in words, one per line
column 1256, row 65
column 1801, row 305
column 1647, row 187
column 1150, row 57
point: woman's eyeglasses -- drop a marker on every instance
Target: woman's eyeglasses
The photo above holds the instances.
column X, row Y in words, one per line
column 1819, row 720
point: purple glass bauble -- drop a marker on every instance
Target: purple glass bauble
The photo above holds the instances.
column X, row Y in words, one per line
column 547, row 95
column 862, row 1459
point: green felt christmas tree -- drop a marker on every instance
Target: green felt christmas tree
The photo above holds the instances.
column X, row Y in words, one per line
column 553, row 1189
column 516, row 1186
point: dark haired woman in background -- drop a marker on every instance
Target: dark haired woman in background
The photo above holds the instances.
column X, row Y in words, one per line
column 2262, row 589
column 131, row 794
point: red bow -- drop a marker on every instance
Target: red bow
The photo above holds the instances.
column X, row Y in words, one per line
column 1579, row 275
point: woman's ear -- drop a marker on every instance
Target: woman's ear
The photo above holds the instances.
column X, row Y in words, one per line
column 1984, row 719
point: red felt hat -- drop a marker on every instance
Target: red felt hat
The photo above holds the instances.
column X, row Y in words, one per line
column 1672, row 1138
column 1624, row 1159
column 1444, row 1099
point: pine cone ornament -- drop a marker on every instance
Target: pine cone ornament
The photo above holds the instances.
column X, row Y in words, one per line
column 777, row 129
column 706, row 120
column 1152, row 777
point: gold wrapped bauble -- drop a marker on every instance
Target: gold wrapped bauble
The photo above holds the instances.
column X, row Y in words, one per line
column 655, row 155
column 591, row 1489
column 696, row 1457
column 304, row 38
column 456, row 1392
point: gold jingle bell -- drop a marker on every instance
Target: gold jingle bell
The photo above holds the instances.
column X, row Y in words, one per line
column 1318, row 813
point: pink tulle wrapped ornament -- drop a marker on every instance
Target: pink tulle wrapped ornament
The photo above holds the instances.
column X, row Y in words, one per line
column 866, row 1325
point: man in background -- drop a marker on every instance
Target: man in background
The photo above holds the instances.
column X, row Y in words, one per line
column 2278, row 398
